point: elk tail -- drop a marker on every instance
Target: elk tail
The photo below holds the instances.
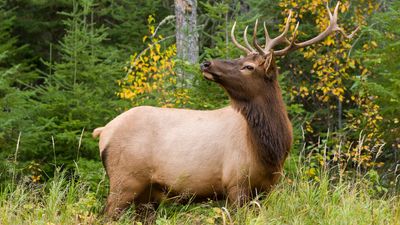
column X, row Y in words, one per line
column 97, row 132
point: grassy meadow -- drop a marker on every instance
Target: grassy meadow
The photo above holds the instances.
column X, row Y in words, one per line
column 297, row 199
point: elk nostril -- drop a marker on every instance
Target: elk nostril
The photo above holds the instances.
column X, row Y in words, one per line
column 205, row 65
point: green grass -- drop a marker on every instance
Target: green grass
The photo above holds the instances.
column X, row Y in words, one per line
column 294, row 201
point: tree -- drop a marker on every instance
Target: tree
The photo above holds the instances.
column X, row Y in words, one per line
column 326, row 87
column 186, row 30
column 77, row 95
column 16, row 79
column 380, row 55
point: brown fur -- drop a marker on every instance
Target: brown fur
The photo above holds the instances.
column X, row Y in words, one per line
column 151, row 154
column 270, row 128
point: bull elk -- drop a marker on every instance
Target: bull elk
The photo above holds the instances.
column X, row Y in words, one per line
column 152, row 153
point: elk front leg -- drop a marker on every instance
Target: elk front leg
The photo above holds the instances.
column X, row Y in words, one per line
column 238, row 195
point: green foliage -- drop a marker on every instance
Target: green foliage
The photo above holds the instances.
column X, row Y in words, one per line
column 77, row 94
column 15, row 79
column 58, row 78
column 380, row 56
column 39, row 23
column 127, row 19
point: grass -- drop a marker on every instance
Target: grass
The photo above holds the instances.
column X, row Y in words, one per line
column 328, row 195
column 296, row 200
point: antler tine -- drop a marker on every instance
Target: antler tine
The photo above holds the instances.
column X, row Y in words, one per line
column 241, row 47
column 281, row 38
column 333, row 27
column 258, row 47
column 246, row 41
column 292, row 43
column 267, row 38
column 337, row 28
column 329, row 11
column 336, row 11
column 350, row 36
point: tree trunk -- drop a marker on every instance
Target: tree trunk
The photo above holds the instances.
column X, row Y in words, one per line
column 186, row 30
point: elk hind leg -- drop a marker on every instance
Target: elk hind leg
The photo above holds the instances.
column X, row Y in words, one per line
column 121, row 196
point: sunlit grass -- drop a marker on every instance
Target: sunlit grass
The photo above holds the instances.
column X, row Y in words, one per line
column 296, row 200
column 326, row 196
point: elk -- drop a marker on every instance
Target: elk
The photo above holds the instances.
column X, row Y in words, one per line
column 152, row 153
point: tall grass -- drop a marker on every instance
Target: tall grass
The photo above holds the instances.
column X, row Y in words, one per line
column 334, row 198
column 296, row 200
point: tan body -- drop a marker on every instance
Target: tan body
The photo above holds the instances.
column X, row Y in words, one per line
column 154, row 151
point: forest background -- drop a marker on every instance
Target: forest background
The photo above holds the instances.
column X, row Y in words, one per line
column 69, row 66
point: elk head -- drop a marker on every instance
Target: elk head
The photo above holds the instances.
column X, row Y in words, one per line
column 246, row 78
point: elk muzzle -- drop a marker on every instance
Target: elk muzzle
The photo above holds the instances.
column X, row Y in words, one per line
column 205, row 67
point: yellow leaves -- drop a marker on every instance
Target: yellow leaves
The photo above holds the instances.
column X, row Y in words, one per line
column 328, row 41
column 325, row 98
column 343, row 7
column 309, row 127
column 156, row 57
column 332, row 74
column 312, row 172
column 304, row 91
column 309, row 54
column 151, row 74
column 151, row 30
column 364, row 71
column 158, row 47
column 151, row 19
column 367, row 120
column 36, row 178
column 369, row 46
column 144, row 38
column 338, row 91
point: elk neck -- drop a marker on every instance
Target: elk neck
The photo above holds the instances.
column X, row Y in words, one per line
column 269, row 128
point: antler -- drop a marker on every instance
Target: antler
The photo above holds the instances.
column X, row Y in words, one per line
column 241, row 47
column 270, row 44
column 333, row 27
column 281, row 39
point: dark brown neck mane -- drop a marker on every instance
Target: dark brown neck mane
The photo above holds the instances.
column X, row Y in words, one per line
column 270, row 130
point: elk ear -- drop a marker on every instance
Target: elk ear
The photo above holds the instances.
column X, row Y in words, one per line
column 270, row 67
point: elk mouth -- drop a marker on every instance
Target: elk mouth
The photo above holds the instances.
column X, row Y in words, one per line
column 207, row 73
column 209, row 76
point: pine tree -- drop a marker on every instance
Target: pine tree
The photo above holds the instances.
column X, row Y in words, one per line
column 78, row 94
column 15, row 91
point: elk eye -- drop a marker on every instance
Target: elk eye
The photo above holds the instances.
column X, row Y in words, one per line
column 248, row 67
